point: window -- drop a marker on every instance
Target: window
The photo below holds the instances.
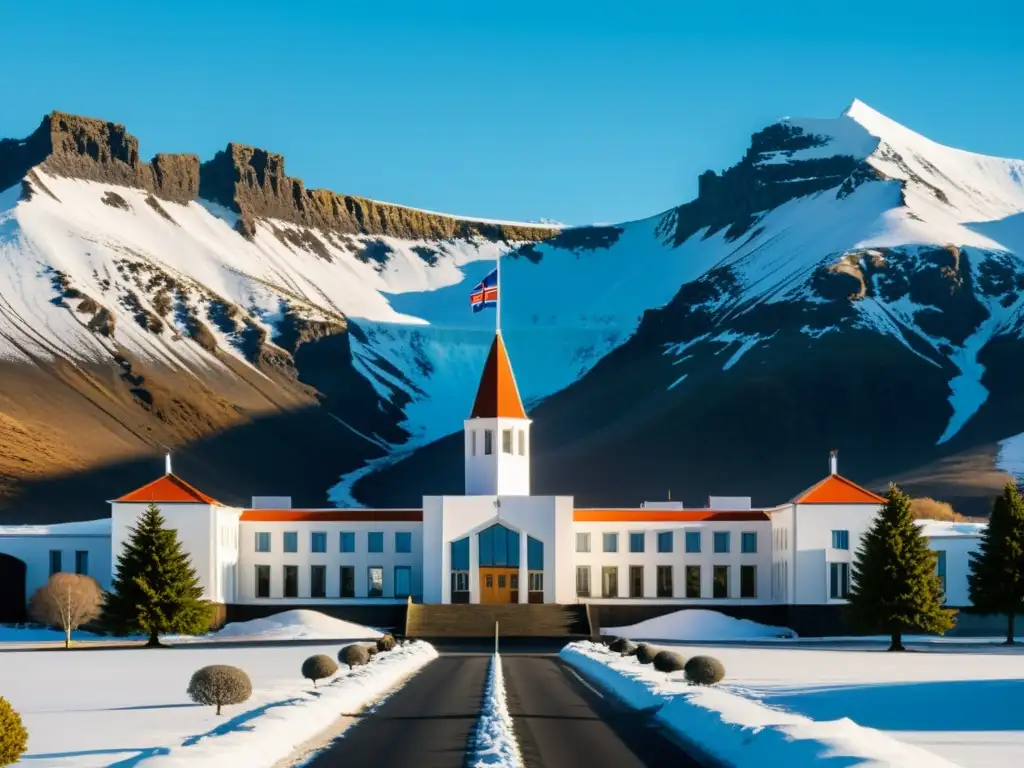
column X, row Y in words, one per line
column 291, row 541
column 536, row 581
column 609, row 581
column 460, row 581
column 472, row 442
column 582, row 581
column 839, row 581
column 374, row 581
column 56, row 564
column 840, row 539
column 748, row 542
column 664, row 581
column 403, row 542
column 636, row 581
column 263, row 541
column 82, row 562
column 291, row 581
column 348, row 581
column 693, row 581
column 665, row 541
column 506, row 441
column 403, row 581
column 347, row 541
column 748, row 581
column 693, row 541
column 940, row 569
column 488, row 442
column 720, row 581
column 522, row 442
column 611, row 542
column 262, row 581
column 534, row 554
column 375, row 541
column 636, row 542
column 497, row 546
column 460, row 555
column 582, row 542
column 318, row 542
column 318, row 581
column 721, row 542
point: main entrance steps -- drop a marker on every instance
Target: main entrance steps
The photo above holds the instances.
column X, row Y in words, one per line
column 529, row 620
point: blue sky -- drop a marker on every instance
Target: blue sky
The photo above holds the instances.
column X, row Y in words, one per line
column 580, row 112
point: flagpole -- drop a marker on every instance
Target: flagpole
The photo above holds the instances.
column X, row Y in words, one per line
column 497, row 303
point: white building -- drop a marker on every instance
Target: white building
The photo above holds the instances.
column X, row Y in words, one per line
column 496, row 543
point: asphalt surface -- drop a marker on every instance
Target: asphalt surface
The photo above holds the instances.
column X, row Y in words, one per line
column 427, row 723
column 560, row 722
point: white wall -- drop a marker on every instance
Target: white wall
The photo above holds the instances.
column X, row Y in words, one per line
column 497, row 472
column 958, row 549
column 650, row 558
column 783, row 548
column 812, row 539
column 333, row 558
column 34, row 550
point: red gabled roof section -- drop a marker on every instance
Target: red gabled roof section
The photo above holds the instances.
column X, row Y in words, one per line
column 332, row 516
column 169, row 489
column 667, row 516
column 498, row 395
column 836, row 489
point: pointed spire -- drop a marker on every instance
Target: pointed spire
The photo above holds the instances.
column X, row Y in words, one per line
column 498, row 395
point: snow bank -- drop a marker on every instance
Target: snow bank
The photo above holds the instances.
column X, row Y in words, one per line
column 272, row 734
column 698, row 625
column 291, row 625
column 496, row 743
column 739, row 732
column 85, row 528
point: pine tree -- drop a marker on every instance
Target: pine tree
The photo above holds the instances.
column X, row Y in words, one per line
column 996, row 580
column 896, row 588
column 155, row 589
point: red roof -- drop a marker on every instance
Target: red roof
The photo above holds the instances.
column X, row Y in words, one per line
column 169, row 489
column 836, row 489
column 332, row 515
column 667, row 516
column 498, row 395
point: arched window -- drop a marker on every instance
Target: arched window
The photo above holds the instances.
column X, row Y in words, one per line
column 499, row 547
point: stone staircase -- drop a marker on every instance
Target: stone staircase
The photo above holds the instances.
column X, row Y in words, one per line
column 477, row 621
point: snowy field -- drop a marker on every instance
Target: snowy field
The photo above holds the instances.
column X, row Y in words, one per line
column 128, row 707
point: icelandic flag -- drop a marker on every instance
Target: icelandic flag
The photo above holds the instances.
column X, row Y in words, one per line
column 485, row 294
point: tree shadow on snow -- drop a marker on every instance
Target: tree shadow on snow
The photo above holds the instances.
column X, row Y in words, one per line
column 238, row 722
column 129, row 762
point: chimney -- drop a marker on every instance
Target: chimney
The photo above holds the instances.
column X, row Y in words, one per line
column 833, row 462
column 167, row 463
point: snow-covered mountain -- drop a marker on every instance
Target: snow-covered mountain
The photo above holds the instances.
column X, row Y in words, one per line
column 849, row 283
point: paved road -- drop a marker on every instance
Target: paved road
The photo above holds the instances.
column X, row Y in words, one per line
column 561, row 723
column 426, row 724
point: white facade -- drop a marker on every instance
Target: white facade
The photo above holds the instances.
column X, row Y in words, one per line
column 497, row 456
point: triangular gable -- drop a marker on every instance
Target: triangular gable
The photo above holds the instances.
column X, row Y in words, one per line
column 169, row 489
column 498, row 395
column 836, row 489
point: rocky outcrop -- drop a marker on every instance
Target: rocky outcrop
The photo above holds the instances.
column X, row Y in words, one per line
column 97, row 150
column 253, row 183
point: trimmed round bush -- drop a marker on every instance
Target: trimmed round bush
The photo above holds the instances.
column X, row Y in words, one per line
column 386, row 643
column 615, row 644
column 219, row 685
column 645, row 653
column 354, row 655
column 628, row 648
column 372, row 650
column 318, row 667
column 13, row 736
column 668, row 661
column 704, row 670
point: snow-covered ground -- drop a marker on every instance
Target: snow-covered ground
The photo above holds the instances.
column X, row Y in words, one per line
column 696, row 624
column 495, row 743
column 128, row 707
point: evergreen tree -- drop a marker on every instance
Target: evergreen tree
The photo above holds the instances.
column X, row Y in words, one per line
column 155, row 589
column 996, row 580
column 896, row 589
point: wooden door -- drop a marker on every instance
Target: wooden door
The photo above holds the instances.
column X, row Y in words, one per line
column 496, row 584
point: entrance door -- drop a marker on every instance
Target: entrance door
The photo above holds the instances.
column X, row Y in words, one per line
column 497, row 584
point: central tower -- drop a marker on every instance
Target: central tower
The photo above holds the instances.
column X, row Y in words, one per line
column 497, row 432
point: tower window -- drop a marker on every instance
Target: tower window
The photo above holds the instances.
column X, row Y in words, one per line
column 472, row 442
column 506, row 441
column 522, row 442
column 488, row 442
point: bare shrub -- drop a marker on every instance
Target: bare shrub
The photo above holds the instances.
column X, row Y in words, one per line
column 66, row 602
column 318, row 667
column 219, row 685
column 354, row 655
column 669, row 661
column 925, row 508
column 704, row 670
column 386, row 643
